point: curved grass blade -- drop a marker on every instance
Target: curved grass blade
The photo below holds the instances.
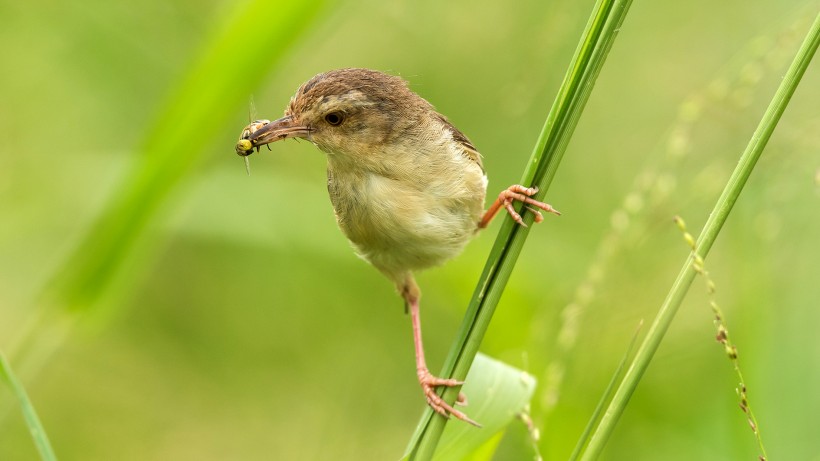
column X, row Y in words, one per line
column 35, row 427
column 200, row 105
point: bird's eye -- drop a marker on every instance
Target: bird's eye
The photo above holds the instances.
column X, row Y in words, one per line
column 335, row 118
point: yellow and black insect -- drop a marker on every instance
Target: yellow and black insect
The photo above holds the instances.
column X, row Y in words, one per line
column 244, row 147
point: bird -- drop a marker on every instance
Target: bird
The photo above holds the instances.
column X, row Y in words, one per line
column 407, row 187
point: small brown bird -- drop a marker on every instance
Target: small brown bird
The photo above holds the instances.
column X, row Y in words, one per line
column 407, row 186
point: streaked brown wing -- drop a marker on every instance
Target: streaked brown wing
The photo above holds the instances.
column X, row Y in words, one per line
column 469, row 149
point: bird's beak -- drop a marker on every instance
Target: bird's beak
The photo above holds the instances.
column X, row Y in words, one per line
column 274, row 131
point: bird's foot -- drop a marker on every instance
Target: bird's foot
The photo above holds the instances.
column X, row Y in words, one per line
column 428, row 385
column 519, row 193
column 524, row 194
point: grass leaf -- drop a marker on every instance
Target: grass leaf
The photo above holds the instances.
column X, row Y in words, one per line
column 253, row 40
column 35, row 427
column 704, row 243
column 498, row 392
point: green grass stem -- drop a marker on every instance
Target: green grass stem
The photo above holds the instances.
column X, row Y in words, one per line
column 704, row 243
column 610, row 389
column 600, row 32
column 35, row 427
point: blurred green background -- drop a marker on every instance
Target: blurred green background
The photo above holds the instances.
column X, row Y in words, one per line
column 243, row 327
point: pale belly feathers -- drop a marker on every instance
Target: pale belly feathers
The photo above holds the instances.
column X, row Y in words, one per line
column 408, row 219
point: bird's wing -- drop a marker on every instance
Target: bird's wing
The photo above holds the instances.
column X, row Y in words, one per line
column 468, row 148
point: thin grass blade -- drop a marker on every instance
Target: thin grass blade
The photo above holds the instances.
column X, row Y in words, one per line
column 608, row 392
column 707, row 237
column 35, row 427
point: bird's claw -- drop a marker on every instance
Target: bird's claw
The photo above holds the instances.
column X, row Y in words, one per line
column 428, row 385
column 523, row 194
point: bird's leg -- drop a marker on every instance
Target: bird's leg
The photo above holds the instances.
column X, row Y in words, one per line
column 428, row 382
column 505, row 199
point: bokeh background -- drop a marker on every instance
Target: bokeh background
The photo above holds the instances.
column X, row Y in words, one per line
column 245, row 328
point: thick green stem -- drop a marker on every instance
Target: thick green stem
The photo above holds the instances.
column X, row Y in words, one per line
column 600, row 32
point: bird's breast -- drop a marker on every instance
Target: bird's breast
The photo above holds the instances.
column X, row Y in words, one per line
column 410, row 218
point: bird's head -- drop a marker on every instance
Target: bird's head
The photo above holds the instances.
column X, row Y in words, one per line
column 345, row 112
